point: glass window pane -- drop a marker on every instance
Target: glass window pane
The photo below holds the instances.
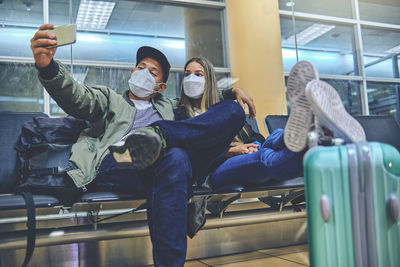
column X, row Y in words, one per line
column 331, row 47
column 397, row 68
column 59, row 11
column 19, row 21
column 386, row 11
column 338, row 8
column 349, row 92
column 21, row 90
column 15, row 41
column 115, row 78
column 178, row 31
column 380, row 46
column 21, row 13
column 383, row 98
column 377, row 67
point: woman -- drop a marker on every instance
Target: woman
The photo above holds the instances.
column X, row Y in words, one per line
column 251, row 159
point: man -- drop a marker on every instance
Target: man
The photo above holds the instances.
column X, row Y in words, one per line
column 173, row 149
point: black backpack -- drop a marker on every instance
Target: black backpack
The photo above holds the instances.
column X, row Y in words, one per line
column 43, row 150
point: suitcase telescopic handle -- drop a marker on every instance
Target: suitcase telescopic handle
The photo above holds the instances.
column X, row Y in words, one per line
column 392, row 207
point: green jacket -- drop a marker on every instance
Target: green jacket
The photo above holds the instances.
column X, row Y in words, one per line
column 111, row 116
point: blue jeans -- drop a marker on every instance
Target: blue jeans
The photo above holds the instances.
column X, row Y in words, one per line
column 194, row 146
column 272, row 161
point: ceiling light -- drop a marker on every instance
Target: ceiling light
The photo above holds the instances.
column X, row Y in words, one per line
column 313, row 32
column 393, row 50
column 94, row 14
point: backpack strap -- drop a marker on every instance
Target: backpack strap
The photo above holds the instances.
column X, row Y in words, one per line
column 31, row 224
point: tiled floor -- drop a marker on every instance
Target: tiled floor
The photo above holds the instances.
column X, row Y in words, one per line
column 279, row 257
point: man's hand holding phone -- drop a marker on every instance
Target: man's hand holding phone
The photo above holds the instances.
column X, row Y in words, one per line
column 47, row 38
column 39, row 42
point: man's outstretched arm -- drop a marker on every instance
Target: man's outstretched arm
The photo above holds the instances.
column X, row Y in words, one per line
column 75, row 99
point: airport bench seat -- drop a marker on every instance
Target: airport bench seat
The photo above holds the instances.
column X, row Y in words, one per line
column 10, row 127
column 94, row 205
column 382, row 128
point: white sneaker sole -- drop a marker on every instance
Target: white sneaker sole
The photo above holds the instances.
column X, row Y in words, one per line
column 300, row 117
column 328, row 107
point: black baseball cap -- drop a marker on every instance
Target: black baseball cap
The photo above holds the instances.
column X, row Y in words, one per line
column 147, row 51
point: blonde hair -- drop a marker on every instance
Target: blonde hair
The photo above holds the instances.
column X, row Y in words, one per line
column 210, row 95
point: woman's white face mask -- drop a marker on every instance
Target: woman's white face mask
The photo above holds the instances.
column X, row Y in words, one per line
column 142, row 83
column 193, row 86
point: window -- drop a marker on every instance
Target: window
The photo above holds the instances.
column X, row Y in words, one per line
column 115, row 78
column 180, row 29
column 381, row 48
column 21, row 13
column 20, row 88
column 386, row 11
column 338, row 8
column 176, row 30
column 349, row 92
column 334, row 47
column 19, row 21
column 329, row 46
column 383, row 98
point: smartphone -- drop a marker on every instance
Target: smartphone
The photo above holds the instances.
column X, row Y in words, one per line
column 65, row 34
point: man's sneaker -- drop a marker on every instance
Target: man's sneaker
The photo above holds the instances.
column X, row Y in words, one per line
column 328, row 108
column 140, row 149
column 300, row 116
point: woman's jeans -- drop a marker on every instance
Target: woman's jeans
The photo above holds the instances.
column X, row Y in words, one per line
column 194, row 146
column 272, row 161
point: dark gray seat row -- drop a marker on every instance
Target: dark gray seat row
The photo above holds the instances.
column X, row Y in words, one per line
column 10, row 127
column 383, row 129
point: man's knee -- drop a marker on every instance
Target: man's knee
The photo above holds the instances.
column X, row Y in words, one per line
column 234, row 111
column 174, row 164
column 178, row 156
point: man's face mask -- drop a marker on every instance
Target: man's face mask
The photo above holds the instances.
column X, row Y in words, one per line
column 193, row 86
column 142, row 83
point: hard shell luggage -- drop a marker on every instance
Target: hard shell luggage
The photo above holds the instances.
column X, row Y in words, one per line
column 352, row 195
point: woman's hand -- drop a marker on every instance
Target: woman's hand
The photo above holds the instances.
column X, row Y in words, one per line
column 241, row 149
column 244, row 98
column 39, row 41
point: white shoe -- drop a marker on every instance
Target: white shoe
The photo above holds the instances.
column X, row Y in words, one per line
column 300, row 117
column 328, row 108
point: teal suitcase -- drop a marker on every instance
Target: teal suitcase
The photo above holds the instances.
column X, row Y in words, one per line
column 352, row 196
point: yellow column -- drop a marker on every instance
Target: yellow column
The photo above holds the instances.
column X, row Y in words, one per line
column 256, row 53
